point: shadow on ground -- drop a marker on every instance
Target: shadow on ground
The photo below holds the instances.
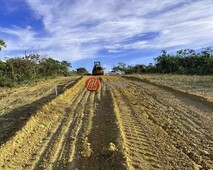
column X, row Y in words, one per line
column 13, row 121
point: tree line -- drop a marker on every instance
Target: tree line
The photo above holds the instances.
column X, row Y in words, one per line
column 184, row 61
column 30, row 68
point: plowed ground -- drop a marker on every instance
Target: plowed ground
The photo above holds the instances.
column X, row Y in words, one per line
column 136, row 125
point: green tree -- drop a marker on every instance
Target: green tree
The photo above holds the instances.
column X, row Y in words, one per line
column 29, row 68
column 51, row 67
column 82, row 71
column 186, row 61
column 120, row 67
column 2, row 44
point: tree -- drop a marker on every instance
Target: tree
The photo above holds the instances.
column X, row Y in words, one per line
column 186, row 61
column 120, row 67
column 82, row 71
column 30, row 68
column 51, row 67
column 2, row 44
column 138, row 68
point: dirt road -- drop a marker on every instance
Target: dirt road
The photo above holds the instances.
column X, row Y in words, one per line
column 127, row 124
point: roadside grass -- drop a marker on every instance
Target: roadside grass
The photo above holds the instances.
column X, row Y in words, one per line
column 16, row 97
column 195, row 84
column 42, row 81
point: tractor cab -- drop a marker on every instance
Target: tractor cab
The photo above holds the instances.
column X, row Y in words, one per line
column 97, row 69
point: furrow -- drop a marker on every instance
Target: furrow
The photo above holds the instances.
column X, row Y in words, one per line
column 33, row 140
column 141, row 141
column 56, row 142
column 69, row 143
column 179, row 121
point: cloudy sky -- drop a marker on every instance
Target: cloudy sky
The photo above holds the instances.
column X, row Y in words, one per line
column 84, row 31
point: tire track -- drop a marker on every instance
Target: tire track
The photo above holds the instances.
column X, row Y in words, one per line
column 147, row 145
column 190, row 119
column 190, row 131
column 67, row 153
column 101, row 147
column 83, row 148
column 58, row 145
column 190, row 135
column 138, row 127
column 135, row 135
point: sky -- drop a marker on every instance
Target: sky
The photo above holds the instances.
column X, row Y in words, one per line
column 110, row 31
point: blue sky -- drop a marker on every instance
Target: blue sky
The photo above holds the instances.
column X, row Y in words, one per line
column 110, row 31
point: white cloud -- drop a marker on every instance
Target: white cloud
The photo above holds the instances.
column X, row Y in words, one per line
column 81, row 28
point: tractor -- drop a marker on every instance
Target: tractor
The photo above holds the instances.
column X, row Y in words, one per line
column 97, row 69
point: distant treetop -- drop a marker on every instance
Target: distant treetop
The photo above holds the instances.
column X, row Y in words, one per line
column 2, row 44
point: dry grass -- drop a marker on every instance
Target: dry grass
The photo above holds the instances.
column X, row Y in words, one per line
column 11, row 98
column 199, row 85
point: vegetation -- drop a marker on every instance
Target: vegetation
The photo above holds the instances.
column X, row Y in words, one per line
column 200, row 85
column 82, row 71
column 185, row 61
column 30, row 68
column 136, row 69
column 34, row 66
column 2, row 44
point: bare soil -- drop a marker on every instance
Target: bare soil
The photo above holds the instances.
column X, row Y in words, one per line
column 19, row 104
column 141, row 125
